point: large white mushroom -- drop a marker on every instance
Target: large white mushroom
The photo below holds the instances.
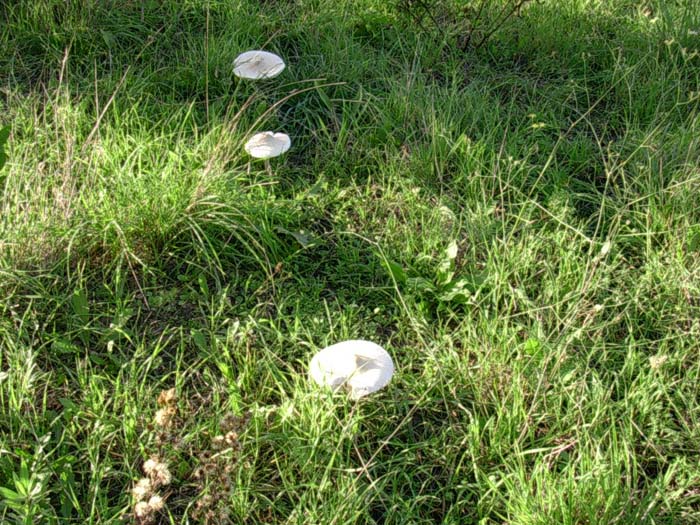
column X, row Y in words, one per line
column 360, row 366
column 257, row 64
column 267, row 144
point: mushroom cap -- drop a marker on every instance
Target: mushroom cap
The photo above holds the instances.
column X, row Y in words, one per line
column 257, row 64
column 364, row 367
column 267, row 144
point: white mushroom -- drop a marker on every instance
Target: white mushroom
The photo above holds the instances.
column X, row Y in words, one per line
column 267, row 144
column 257, row 64
column 362, row 367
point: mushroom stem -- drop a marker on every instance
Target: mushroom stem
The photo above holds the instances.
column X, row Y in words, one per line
column 268, row 168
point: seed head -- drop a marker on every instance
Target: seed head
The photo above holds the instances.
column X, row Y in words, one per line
column 149, row 466
column 142, row 489
column 657, row 361
column 164, row 416
column 142, row 510
column 167, row 397
column 156, row 502
column 161, row 475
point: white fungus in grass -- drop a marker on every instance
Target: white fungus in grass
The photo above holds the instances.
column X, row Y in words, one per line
column 257, row 64
column 267, row 145
column 360, row 366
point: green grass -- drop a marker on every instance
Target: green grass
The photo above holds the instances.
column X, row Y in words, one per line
column 519, row 226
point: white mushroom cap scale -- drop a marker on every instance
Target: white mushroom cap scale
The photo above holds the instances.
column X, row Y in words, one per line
column 267, row 144
column 361, row 366
column 257, row 64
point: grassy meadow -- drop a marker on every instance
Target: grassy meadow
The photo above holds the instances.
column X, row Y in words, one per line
column 518, row 224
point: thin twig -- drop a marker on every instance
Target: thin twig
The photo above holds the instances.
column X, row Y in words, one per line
column 515, row 9
column 429, row 12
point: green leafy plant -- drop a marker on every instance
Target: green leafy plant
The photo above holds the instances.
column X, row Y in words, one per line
column 25, row 499
column 445, row 286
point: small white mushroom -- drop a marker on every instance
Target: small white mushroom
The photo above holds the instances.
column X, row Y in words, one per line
column 362, row 367
column 267, row 144
column 257, row 64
